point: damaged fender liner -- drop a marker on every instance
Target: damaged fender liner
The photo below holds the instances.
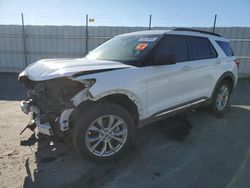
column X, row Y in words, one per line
column 52, row 96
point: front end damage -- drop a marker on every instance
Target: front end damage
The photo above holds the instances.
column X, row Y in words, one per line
column 52, row 102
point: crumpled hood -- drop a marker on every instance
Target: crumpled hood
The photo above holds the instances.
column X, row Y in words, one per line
column 53, row 68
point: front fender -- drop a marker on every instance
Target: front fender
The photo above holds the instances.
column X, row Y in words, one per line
column 132, row 96
column 130, row 82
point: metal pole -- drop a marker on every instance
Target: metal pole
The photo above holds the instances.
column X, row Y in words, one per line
column 24, row 43
column 87, row 34
column 150, row 20
column 215, row 18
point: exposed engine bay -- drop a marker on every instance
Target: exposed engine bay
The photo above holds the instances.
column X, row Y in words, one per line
column 58, row 89
column 52, row 96
column 51, row 102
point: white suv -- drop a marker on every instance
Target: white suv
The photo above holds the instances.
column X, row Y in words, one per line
column 129, row 81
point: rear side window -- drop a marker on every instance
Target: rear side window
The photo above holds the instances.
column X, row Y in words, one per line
column 173, row 45
column 201, row 48
column 225, row 46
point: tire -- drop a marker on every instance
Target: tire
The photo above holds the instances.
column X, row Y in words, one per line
column 95, row 141
column 220, row 101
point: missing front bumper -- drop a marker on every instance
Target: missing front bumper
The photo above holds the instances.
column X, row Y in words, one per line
column 27, row 107
column 43, row 121
column 44, row 128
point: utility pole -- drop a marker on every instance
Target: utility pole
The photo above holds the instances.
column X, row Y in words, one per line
column 150, row 20
column 24, row 43
column 87, row 34
column 215, row 18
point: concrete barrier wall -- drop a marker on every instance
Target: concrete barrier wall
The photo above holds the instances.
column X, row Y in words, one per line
column 18, row 49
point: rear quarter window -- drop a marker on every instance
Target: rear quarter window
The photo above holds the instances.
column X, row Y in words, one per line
column 225, row 46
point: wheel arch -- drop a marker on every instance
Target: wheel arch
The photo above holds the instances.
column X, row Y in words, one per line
column 124, row 98
column 125, row 102
column 129, row 102
column 229, row 76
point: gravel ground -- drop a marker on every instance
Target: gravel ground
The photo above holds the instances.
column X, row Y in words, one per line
column 197, row 150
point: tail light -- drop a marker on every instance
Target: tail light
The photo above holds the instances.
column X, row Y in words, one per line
column 237, row 62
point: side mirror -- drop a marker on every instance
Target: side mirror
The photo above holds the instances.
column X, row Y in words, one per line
column 163, row 59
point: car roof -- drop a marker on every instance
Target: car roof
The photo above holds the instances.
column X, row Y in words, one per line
column 177, row 32
column 147, row 32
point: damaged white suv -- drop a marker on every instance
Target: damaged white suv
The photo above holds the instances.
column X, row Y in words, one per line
column 129, row 81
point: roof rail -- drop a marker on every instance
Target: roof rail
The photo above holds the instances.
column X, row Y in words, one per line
column 195, row 30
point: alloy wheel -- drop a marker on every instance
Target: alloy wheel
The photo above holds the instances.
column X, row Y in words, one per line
column 106, row 135
column 222, row 97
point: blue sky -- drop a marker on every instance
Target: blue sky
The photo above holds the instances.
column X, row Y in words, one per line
column 127, row 12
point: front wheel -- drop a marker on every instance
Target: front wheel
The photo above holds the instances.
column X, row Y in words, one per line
column 104, row 133
column 221, row 98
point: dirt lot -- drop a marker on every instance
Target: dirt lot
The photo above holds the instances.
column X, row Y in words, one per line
column 204, row 151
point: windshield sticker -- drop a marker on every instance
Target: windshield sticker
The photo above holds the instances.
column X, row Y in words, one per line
column 147, row 39
column 141, row 46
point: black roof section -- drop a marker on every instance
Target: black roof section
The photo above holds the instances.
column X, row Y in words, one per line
column 195, row 30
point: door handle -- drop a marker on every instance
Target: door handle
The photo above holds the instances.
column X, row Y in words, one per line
column 186, row 68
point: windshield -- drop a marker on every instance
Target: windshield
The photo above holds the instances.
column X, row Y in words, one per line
column 126, row 49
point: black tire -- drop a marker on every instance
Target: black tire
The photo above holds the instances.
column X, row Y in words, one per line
column 215, row 109
column 85, row 120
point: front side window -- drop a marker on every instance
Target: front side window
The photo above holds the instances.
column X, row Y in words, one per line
column 126, row 49
column 171, row 46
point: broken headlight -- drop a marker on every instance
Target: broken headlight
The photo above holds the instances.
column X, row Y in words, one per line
column 88, row 82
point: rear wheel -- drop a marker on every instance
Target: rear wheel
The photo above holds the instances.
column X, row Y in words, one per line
column 221, row 98
column 104, row 133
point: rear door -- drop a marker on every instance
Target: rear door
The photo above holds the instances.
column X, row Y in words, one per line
column 169, row 85
column 203, row 59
